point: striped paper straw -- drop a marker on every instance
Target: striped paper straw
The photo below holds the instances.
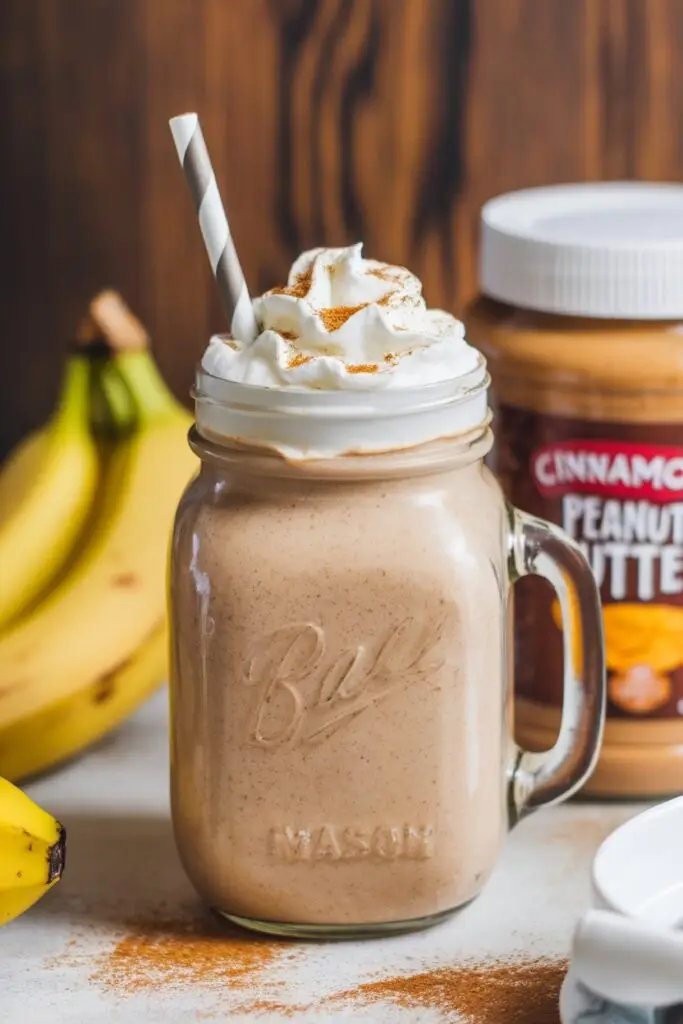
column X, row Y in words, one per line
column 196, row 162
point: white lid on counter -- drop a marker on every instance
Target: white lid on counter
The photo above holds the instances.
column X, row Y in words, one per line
column 612, row 250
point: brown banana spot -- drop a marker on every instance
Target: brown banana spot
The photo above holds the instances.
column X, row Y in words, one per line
column 105, row 687
column 125, row 579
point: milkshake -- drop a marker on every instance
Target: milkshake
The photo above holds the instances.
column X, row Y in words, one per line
column 341, row 755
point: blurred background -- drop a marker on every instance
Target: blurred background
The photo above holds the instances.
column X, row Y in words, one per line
column 329, row 121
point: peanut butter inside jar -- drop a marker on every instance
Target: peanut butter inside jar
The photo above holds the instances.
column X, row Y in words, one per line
column 581, row 322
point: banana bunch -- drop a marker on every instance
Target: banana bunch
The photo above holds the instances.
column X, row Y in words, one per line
column 87, row 506
column 32, row 851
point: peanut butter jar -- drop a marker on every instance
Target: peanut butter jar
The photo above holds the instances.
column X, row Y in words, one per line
column 581, row 321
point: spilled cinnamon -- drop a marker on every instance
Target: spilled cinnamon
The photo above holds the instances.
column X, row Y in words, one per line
column 205, row 955
column 186, row 954
column 518, row 992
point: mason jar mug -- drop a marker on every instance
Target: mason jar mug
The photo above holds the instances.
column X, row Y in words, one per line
column 342, row 755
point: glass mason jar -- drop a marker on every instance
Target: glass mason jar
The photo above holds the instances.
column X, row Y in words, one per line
column 341, row 745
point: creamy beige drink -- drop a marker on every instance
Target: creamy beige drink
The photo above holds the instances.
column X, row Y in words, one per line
column 329, row 716
column 340, row 581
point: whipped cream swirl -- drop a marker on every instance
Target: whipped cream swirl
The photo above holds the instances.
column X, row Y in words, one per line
column 345, row 323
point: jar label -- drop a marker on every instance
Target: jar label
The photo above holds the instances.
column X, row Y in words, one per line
column 617, row 490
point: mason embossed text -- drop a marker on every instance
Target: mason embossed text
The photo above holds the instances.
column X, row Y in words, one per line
column 356, row 842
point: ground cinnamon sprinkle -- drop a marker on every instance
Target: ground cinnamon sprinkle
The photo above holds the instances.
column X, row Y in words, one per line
column 519, row 992
column 288, row 335
column 336, row 316
column 362, row 368
column 300, row 288
column 333, row 317
column 204, row 953
column 298, row 360
column 184, row 954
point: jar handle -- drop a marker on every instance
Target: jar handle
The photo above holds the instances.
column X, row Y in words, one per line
column 537, row 779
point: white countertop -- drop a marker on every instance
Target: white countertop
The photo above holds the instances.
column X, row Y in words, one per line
column 114, row 942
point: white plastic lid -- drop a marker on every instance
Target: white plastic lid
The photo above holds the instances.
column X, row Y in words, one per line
column 612, row 250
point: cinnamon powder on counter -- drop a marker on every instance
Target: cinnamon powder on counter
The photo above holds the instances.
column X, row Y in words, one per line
column 186, row 954
column 515, row 992
column 204, row 954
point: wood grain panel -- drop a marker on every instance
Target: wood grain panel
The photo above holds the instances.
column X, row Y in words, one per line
column 526, row 112
column 175, row 279
column 28, row 363
column 329, row 121
column 640, row 85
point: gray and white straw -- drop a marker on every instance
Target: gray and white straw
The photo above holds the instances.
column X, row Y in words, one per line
column 196, row 163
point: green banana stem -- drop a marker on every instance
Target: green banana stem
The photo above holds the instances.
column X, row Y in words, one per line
column 151, row 397
column 118, row 412
column 74, row 400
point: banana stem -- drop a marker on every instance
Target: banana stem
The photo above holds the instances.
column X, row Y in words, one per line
column 74, row 399
column 113, row 400
column 151, row 397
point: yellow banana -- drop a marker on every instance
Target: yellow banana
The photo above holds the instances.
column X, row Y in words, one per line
column 32, row 851
column 46, row 492
column 62, row 729
column 86, row 633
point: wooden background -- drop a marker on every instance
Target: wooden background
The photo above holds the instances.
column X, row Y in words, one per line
column 329, row 121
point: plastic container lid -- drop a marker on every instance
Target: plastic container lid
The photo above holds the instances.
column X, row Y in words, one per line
column 612, row 250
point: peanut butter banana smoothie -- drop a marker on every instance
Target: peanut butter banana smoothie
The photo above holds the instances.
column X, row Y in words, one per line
column 340, row 578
